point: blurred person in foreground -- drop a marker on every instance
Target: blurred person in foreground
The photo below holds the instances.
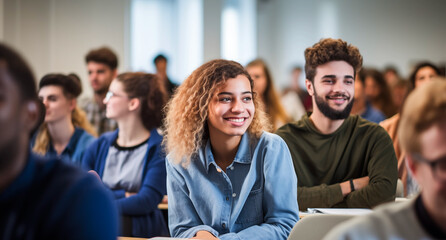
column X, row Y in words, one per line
column 42, row 198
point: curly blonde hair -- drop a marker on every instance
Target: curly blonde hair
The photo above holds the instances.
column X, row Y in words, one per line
column 187, row 112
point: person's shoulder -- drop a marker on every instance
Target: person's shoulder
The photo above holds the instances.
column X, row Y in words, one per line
column 293, row 128
column 273, row 139
column 384, row 220
column 365, row 126
column 390, row 123
column 63, row 179
column 108, row 137
column 85, row 137
column 87, row 103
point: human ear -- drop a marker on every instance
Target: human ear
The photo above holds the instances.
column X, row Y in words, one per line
column 411, row 166
column 310, row 88
column 73, row 104
column 34, row 115
column 134, row 104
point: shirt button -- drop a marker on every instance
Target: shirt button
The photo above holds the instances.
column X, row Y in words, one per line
column 227, row 198
column 234, row 195
column 232, row 167
column 223, row 225
column 219, row 170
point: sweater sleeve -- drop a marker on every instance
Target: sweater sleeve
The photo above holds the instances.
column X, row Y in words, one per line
column 383, row 174
column 322, row 196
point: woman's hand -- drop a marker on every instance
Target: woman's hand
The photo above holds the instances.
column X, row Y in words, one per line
column 94, row 173
column 204, row 235
column 129, row 194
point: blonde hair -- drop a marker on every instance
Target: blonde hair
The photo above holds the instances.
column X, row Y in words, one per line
column 424, row 107
column 187, row 112
column 78, row 118
column 272, row 105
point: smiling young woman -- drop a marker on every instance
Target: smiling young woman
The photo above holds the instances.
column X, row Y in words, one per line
column 226, row 175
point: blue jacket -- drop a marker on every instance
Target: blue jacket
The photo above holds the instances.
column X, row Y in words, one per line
column 147, row 219
column 53, row 200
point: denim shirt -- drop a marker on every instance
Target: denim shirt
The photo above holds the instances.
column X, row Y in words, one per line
column 256, row 198
column 74, row 151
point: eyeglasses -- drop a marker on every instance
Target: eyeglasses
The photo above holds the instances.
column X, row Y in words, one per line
column 438, row 166
column 111, row 94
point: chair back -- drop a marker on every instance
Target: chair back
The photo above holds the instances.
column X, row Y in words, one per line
column 316, row 226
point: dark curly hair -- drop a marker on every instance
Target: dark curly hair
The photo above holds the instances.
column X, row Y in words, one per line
column 150, row 91
column 327, row 50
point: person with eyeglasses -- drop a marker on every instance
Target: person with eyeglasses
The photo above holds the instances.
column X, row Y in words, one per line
column 422, row 134
column 130, row 160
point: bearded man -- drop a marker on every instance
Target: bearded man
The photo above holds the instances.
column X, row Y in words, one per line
column 341, row 160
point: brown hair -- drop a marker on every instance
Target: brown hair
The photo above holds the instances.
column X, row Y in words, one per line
column 327, row 50
column 103, row 55
column 273, row 106
column 71, row 89
column 187, row 111
column 424, row 107
column 384, row 100
column 151, row 93
column 420, row 66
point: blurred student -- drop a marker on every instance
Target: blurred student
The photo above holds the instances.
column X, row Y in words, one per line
column 130, row 160
column 160, row 62
column 102, row 64
column 391, row 76
column 264, row 88
column 42, row 198
column 422, row 135
column 378, row 92
column 361, row 105
column 66, row 132
column 424, row 72
column 296, row 101
column 227, row 177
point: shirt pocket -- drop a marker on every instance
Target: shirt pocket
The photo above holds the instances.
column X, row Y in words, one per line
column 252, row 212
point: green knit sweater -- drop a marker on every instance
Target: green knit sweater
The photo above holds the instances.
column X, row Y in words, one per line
column 322, row 161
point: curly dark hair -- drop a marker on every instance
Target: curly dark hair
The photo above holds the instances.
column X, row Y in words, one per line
column 150, row 91
column 327, row 50
column 103, row 55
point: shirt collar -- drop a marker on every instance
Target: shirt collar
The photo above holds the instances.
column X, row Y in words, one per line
column 243, row 152
column 71, row 147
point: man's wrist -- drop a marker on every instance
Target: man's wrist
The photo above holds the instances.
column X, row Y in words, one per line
column 352, row 185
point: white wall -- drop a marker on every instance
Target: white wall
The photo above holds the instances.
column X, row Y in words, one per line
column 398, row 32
column 55, row 35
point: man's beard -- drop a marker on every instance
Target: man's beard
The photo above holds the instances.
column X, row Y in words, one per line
column 101, row 91
column 330, row 112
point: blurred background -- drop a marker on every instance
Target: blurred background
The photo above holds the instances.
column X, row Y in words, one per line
column 55, row 35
